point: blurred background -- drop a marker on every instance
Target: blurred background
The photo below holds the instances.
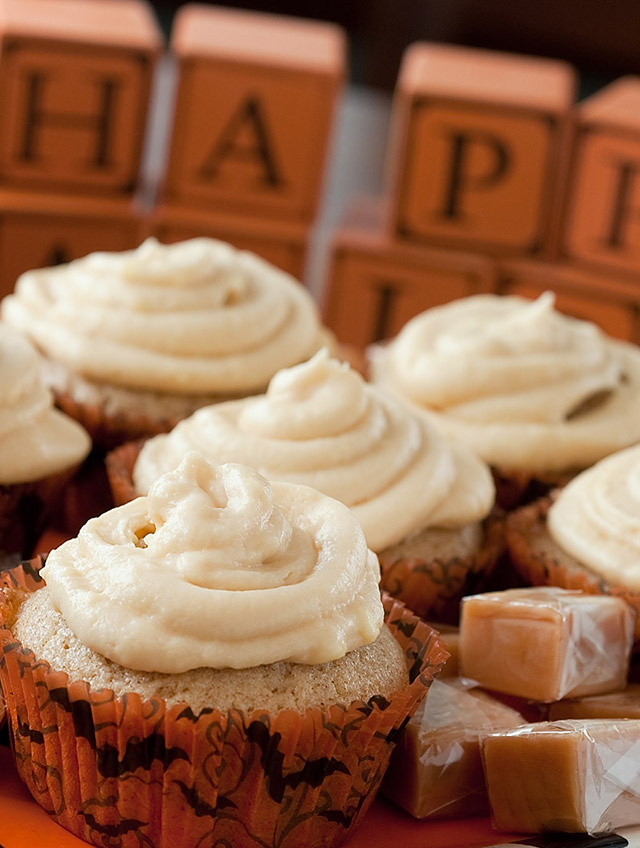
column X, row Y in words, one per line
column 601, row 39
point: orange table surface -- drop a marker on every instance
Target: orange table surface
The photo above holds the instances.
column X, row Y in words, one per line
column 23, row 824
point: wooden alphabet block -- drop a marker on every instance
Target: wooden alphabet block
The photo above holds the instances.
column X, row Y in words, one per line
column 477, row 141
column 283, row 243
column 376, row 284
column 612, row 304
column 602, row 225
column 74, row 93
column 255, row 103
column 38, row 230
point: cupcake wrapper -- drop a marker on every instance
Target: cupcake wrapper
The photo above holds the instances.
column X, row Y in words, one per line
column 517, row 488
column 120, row 463
column 540, row 569
column 24, row 511
column 109, row 429
column 126, row 772
column 434, row 588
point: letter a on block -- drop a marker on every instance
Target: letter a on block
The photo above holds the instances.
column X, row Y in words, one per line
column 602, row 226
column 477, row 140
column 246, row 138
column 255, row 104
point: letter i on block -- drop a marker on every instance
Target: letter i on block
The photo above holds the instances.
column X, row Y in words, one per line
column 255, row 103
column 602, row 227
column 74, row 90
column 477, row 137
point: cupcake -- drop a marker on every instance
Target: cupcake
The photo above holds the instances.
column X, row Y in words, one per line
column 135, row 341
column 40, row 447
column 585, row 535
column 537, row 394
column 421, row 501
column 209, row 665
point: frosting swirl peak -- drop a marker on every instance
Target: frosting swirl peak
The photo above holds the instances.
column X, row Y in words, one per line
column 217, row 567
column 596, row 518
column 522, row 384
column 194, row 317
column 321, row 425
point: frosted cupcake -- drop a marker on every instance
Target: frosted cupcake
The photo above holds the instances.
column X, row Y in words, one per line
column 135, row 341
column 537, row 394
column 586, row 535
column 421, row 501
column 40, row 447
column 216, row 667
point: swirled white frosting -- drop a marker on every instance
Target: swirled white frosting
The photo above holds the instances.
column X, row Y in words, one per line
column 193, row 317
column 513, row 378
column 596, row 518
column 218, row 568
column 36, row 440
column 321, row 425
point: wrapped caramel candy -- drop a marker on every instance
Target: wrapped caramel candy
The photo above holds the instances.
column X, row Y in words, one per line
column 574, row 776
column 436, row 769
column 545, row 643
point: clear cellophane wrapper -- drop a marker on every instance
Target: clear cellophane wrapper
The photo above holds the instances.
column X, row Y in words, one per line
column 127, row 772
column 436, row 769
column 574, row 776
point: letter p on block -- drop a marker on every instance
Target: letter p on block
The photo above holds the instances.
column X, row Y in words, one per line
column 477, row 138
column 74, row 92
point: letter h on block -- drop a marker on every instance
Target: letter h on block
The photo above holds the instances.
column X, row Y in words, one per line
column 74, row 90
column 255, row 103
column 477, row 140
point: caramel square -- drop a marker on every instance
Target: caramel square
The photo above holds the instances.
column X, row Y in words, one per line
column 545, row 643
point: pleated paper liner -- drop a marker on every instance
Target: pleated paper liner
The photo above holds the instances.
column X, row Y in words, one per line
column 517, row 488
column 434, row 587
column 25, row 509
column 127, row 772
column 109, row 428
column 540, row 562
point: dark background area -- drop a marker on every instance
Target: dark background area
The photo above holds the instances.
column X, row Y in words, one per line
column 600, row 37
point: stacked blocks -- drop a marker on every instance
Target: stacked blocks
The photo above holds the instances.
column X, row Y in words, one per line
column 492, row 163
column 74, row 90
column 256, row 98
column 255, row 101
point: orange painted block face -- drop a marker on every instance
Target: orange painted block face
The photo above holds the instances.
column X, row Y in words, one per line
column 477, row 139
column 376, row 284
column 74, row 93
column 255, row 104
column 38, row 230
column 602, row 226
column 611, row 304
column 282, row 243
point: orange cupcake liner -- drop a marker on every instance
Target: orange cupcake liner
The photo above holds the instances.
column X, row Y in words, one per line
column 109, row 429
column 434, row 588
column 540, row 569
column 120, row 463
column 24, row 511
column 126, row 772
